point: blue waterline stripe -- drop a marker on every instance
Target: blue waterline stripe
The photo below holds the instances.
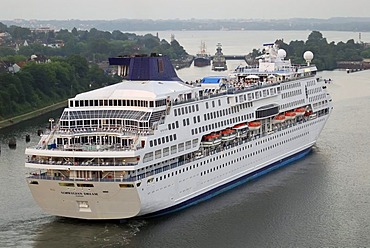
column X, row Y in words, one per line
column 230, row 185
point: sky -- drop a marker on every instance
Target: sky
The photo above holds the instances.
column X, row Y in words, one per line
column 184, row 9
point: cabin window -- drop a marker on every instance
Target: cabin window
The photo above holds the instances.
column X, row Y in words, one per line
column 158, row 154
column 181, row 147
column 173, row 149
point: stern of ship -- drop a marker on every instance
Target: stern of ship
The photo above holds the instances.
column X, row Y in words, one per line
column 86, row 200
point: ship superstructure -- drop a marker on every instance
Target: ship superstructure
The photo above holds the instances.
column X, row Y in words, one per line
column 153, row 144
column 219, row 60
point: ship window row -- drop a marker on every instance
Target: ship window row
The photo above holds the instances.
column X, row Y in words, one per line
column 287, row 86
column 317, row 98
column 104, row 123
column 291, row 93
column 186, row 110
column 163, row 140
column 173, row 125
column 176, row 172
column 314, row 90
column 115, row 103
column 221, row 124
column 106, row 114
column 320, row 104
column 170, row 150
column 293, row 104
column 311, row 83
column 213, row 103
column 224, row 112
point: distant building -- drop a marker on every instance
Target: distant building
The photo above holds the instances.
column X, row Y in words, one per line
column 4, row 37
column 56, row 44
column 38, row 58
column 42, row 30
column 7, row 66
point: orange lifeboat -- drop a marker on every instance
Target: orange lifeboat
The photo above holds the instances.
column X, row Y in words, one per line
column 240, row 126
column 211, row 140
column 278, row 119
column 300, row 111
column 290, row 115
column 254, row 125
column 228, row 134
column 241, row 129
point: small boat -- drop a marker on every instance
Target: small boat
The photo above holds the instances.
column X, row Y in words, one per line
column 228, row 134
column 300, row 111
column 278, row 119
column 254, row 125
column 211, row 140
column 202, row 58
column 290, row 115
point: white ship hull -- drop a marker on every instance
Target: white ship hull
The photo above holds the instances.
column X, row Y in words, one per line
column 106, row 200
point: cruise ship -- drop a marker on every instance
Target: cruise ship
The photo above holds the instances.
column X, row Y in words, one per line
column 153, row 144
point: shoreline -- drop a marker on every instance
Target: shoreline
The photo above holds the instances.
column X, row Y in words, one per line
column 27, row 116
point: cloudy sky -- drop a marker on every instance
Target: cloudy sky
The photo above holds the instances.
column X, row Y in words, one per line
column 184, row 9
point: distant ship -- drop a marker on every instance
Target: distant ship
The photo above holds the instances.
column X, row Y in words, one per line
column 202, row 58
column 153, row 144
column 219, row 61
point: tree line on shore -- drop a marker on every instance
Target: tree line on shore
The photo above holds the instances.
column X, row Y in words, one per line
column 326, row 55
column 71, row 68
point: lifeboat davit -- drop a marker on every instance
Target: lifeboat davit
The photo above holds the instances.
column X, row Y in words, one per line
column 254, row 125
column 228, row 134
column 278, row 119
column 290, row 115
column 211, row 140
column 300, row 111
column 241, row 130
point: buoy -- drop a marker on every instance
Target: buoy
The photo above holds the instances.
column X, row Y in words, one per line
column 28, row 138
